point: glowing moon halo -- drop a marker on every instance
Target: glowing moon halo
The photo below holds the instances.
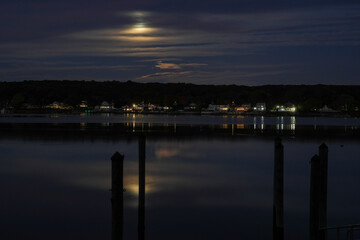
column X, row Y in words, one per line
column 138, row 29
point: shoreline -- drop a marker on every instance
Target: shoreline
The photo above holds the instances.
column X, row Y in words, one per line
column 47, row 113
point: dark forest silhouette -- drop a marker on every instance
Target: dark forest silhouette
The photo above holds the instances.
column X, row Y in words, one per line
column 177, row 95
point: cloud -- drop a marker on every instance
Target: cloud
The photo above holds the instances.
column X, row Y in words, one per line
column 193, row 64
column 162, row 75
column 29, row 20
column 159, row 59
column 206, row 34
column 163, row 65
column 224, row 75
column 176, row 66
column 206, row 38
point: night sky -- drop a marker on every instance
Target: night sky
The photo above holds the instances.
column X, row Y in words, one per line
column 252, row 42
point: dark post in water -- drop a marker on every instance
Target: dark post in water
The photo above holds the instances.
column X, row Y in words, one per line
column 141, row 217
column 318, row 194
column 117, row 189
column 323, row 155
column 315, row 189
column 278, row 207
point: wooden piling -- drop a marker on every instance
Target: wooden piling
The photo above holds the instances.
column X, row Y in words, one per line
column 278, row 194
column 117, row 189
column 323, row 155
column 141, row 208
column 315, row 189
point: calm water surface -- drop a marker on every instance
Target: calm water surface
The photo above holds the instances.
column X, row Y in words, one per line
column 181, row 119
column 209, row 187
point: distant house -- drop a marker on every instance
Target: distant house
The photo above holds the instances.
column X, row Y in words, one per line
column 243, row 108
column 126, row 108
column 287, row 108
column 211, row 108
column 166, row 108
column 105, row 106
column 246, row 106
column 239, row 109
column 138, row 107
column 280, row 108
column 218, row 108
column 326, row 109
column 151, row 107
column 83, row 104
column 56, row 105
column 192, row 106
column 260, row 107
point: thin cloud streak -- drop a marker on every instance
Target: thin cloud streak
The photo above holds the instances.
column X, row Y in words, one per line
column 243, row 77
column 163, row 65
column 164, row 74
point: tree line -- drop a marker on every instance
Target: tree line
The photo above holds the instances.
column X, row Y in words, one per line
column 177, row 95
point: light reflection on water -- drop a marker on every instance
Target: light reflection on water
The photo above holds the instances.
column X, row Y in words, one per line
column 186, row 119
column 196, row 188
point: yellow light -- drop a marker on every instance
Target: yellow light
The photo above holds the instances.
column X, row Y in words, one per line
column 139, row 28
column 240, row 126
